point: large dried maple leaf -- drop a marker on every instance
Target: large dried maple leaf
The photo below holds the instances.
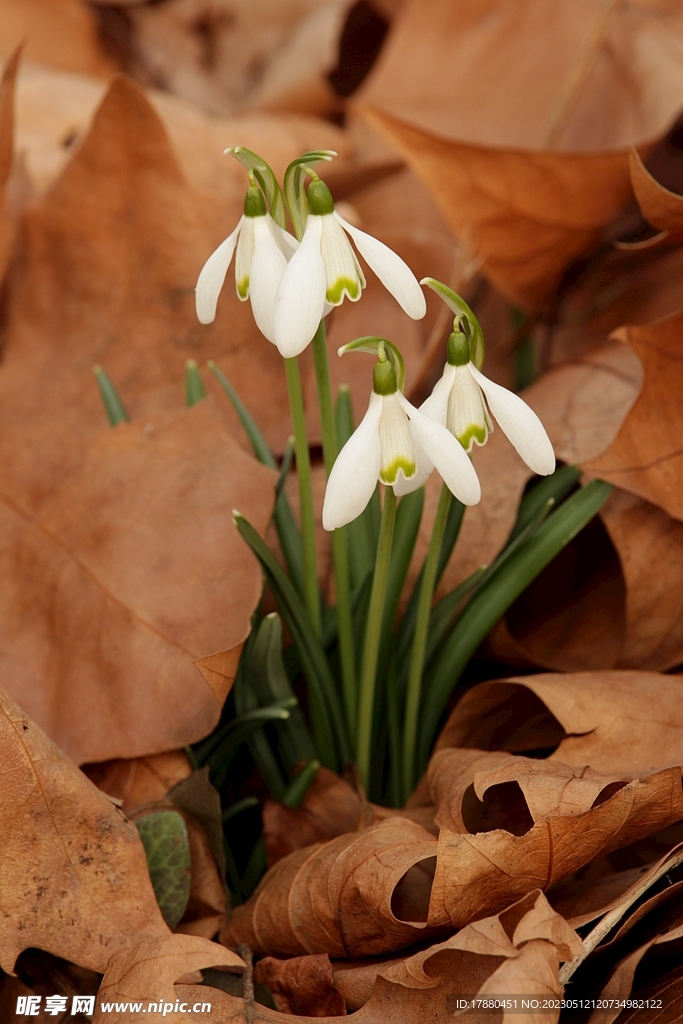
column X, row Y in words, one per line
column 120, row 559
column 518, row 118
column 73, row 872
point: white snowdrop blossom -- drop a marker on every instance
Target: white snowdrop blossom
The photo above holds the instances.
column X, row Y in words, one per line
column 389, row 445
column 263, row 249
column 459, row 401
column 325, row 269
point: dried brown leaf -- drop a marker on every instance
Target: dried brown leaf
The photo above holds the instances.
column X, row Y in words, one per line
column 659, row 206
column 516, row 952
column 650, row 548
column 527, row 163
column 68, row 855
column 62, row 33
column 339, row 897
column 302, row 984
column 646, row 457
column 629, row 723
column 481, row 872
column 149, row 969
column 137, row 781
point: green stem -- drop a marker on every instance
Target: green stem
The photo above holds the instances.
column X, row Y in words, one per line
column 303, row 469
column 373, row 635
column 417, row 657
column 340, row 553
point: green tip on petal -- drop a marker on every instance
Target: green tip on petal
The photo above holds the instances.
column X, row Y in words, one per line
column 475, row 432
column 389, row 474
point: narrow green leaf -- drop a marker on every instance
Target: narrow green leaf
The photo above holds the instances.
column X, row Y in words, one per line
column 327, row 719
column 492, row 601
column 113, row 406
column 240, row 805
column 269, row 681
column 299, row 787
column 194, row 388
column 256, row 867
column 557, row 486
column 167, row 847
column 285, row 524
column 286, row 466
column 408, row 517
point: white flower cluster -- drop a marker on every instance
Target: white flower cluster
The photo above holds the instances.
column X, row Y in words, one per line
column 292, row 285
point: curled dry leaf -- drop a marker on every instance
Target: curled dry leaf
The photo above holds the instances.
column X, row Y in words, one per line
column 516, row 952
column 659, row 206
column 302, row 984
column 629, row 723
column 7, row 227
column 646, row 457
column 340, row 897
column 507, row 825
column 67, row 854
column 149, row 969
column 530, row 162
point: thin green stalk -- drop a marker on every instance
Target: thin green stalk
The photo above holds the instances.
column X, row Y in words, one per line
column 303, row 470
column 373, row 635
column 417, row 657
column 340, row 553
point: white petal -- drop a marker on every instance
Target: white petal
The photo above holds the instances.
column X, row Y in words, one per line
column 520, row 423
column 424, row 467
column 212, row 277
column 436, row 406
column 267, row 267
column 300, row 299
column 447, row 454
column 466, row 417
column 288, row 243
column 354, row 475
column 343, row 275
column 395, row 275
column 244, row 256
column 398, row 457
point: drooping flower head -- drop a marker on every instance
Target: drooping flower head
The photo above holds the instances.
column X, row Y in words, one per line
column 463, row 398
column 262, row 250
column 390, row 444
column 325, row 270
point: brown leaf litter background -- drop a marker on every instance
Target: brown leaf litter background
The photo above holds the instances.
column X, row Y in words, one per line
column 529, row 156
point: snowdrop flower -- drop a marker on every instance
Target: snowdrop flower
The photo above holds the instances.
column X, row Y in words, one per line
column 324, row 269
column 388, row 445
column 459, row 401
column 263, row 249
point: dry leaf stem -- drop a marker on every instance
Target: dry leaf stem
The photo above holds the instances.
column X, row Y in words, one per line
column 595, row 937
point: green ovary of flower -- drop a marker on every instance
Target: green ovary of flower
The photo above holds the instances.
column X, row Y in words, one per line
column 343, row 284
column 389, row 474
